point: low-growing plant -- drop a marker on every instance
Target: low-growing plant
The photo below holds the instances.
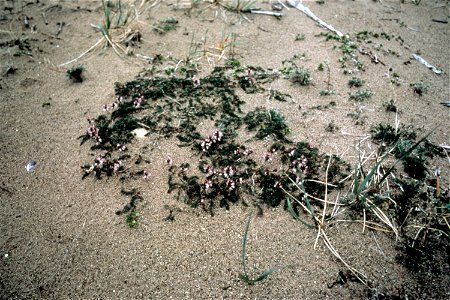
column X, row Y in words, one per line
column 331, row 127
column 327, row 92
column 132, row 219
column 360, row 95
column 300, row 37
column 300, row 75
column 76, row 73
column 419, row 87
column 355, row 82
column 390, row 106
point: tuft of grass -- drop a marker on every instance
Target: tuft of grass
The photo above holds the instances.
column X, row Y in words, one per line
column 331, row 127
column 166, row 25
column 390, row 106
column 300, row 37
column 245, row 276
column 327, row 92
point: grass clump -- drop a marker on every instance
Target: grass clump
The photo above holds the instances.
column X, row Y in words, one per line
column 390, row 106
column 166, row 25
column 132, row 219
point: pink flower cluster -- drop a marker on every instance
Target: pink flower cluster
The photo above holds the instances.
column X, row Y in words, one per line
column 214, row 138
column 269, row 155
column 228, row 172
column 209, row 170
column 195, row 81
column 100, row 161
column 300, row 164
column 114, row 105
column 246, row 152
column 93, row 132
column 138, row 102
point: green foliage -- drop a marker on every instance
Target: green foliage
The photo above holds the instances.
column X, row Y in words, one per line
column 331, row 127
column 419, row 87
column 132, row 219
column 300, row 37
column 390, row 106
column 267, row 123
column 406, row 149
column 360, row 95
column 164, row 26
column 355, row 82
column 300, row 75
column 327, row 92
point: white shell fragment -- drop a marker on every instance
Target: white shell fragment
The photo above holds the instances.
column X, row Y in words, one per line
column 298, row 5
column 427, row 64
column 29, row 166
column 140, row 132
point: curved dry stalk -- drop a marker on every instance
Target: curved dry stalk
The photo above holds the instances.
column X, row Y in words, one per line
column 430, row 228
column 369, row 224
column 311, row 196
column 383, row 217
column 82, row 54
column 361, row 277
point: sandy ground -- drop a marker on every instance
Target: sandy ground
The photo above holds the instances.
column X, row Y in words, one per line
column 60, row 237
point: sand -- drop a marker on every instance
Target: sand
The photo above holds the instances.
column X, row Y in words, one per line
column 60, row 237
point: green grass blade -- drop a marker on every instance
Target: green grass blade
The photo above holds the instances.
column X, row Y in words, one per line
column 405, row 155
column 368, row 177
column 294, row 215
column 290, row 209
column 244, row 244
column 264, row 275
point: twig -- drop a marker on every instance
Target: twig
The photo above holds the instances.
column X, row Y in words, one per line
column 265, row 12
column 45, row 18
column 61, row 24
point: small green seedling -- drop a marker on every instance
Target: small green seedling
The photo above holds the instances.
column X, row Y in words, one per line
column 300, row 37
column 75, row 73
column 132, row 219
column 244, row 276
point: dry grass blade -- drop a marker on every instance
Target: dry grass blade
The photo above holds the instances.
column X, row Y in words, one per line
column 361, row 277
column 125, row 31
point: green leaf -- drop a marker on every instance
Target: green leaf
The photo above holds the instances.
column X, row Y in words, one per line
column 244, row 243
column 264, row 275
column 295, row 216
